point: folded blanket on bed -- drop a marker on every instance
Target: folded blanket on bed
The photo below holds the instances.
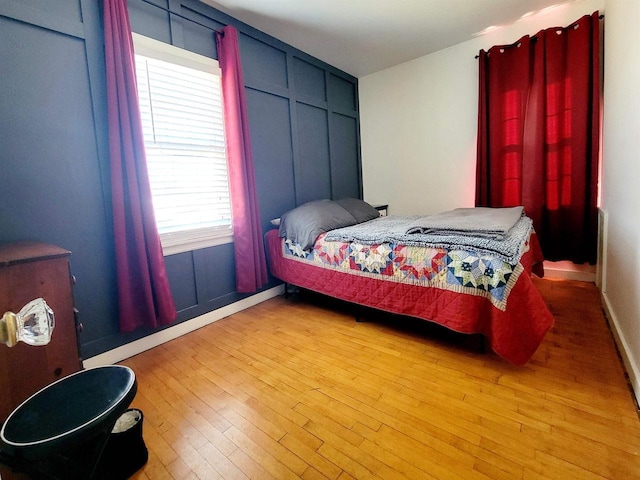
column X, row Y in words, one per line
column 477, row 222
column 393, row 229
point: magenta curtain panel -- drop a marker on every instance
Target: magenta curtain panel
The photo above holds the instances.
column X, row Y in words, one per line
column 251, row 266
column 539, row 134
column 144, row 294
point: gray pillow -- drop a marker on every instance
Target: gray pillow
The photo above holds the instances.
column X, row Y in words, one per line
column 361, row 210
column 306, row 223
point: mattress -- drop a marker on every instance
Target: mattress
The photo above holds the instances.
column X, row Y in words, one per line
column 462, row 290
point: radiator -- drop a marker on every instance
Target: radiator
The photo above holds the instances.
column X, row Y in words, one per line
column 601, row 266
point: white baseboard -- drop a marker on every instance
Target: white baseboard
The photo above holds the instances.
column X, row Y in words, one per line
column 568, row 271
column 138, row 346
column 623, row 347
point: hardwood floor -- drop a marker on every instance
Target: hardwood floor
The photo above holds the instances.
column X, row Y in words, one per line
column 295, row 388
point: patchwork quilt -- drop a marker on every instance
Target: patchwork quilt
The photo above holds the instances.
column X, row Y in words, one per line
column 461, row 271
column 461, row 289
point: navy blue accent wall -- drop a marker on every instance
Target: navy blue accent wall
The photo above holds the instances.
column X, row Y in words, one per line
column 54, row 167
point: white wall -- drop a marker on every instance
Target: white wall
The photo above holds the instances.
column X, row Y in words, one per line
column 621, row 178
column 419, row 120
column 419, row 123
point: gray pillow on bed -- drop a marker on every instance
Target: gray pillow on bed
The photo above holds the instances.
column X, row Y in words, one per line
column 361, row 210
column 305, row 223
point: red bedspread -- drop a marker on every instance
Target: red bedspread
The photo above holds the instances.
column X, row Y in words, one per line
column 510, row 314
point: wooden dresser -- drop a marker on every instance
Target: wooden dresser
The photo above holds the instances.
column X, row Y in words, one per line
column 29, row 270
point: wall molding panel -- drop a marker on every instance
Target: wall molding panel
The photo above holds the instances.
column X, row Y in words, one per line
column 53, row 106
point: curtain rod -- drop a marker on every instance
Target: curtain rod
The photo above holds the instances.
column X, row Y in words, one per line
column 170, row 12
column 535, row 38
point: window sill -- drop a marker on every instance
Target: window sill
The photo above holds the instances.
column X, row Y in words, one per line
column 172, row 248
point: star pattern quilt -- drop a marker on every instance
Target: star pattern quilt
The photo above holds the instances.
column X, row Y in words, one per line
column 463, row 290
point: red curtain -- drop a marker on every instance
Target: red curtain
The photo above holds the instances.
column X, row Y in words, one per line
column 251, row 265
column 144, row 294
column 539, row 134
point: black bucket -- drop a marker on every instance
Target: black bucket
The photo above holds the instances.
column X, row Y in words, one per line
column 125, row 452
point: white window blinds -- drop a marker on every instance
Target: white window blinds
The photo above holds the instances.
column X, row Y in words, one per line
column 181, row 108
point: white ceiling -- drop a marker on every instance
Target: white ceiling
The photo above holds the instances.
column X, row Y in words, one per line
column 365, row 36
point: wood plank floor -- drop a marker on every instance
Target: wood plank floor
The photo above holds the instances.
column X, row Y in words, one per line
column 295, row 388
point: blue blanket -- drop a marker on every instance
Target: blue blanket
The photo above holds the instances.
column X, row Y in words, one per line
column 392, row 229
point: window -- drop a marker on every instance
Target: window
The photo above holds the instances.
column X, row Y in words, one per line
column 180, row 100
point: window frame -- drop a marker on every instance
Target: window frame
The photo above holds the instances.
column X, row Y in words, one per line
column 185, row 240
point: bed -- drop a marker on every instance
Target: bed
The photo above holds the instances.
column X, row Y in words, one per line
column 472, row 287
